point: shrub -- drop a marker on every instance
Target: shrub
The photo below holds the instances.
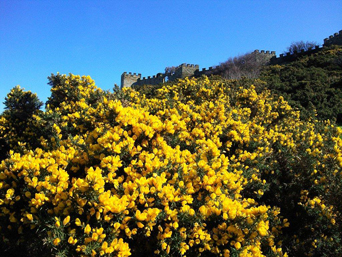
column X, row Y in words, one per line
column 16, row 121
column 199, row 168
column 311, row 84
column 298, row 46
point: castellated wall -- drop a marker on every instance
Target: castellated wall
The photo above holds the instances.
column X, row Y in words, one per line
column 290, row 57
column 189, row 70
column 259, row 56
column 181, row 71
column 262, row 56
column 208, row 72
column 335, row 39
column 127, row 79
column 154, row 80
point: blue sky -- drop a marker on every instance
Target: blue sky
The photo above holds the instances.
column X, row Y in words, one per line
column 104, row 38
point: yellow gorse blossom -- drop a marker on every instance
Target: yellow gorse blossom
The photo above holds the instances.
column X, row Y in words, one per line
column 185, row 169
column 66, row 220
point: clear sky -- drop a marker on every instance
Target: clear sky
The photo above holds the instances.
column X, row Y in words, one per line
column 104, row 38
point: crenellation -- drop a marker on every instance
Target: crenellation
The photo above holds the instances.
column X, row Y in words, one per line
column 289, row 57
column 335, row 39
column 127, row 79
column 192, row 70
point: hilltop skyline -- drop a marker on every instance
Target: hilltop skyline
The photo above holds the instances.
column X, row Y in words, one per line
column 105, row 39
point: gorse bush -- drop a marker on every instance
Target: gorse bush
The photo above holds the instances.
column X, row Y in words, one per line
column 16, row 120
column 199, row 167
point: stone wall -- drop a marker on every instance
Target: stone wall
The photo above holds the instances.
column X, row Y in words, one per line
column 181, row 71
column 290, row 57
column 335, row 39
column 127, row 79
column 154, row 80
column 189, row 70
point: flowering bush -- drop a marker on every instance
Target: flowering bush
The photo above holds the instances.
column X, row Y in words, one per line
column 16, row 120
column 198, row 168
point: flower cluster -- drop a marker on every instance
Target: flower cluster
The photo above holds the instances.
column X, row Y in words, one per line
column 189, row 171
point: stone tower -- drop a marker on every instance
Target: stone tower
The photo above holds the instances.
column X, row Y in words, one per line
column 127, row 79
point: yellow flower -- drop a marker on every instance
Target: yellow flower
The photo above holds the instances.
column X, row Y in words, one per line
column 78, row 222
column 57, row 223
column 56, row 241
column 87, row 229
column 262, row 228
column 140, row 216
column 66, row 220
column 29, row 217
column 72, row 240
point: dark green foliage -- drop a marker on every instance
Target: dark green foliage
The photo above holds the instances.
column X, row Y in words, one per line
column 313, row 82
column 21, row 105
column 16, row 120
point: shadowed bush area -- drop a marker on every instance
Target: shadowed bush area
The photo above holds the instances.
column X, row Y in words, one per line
column 312, row 83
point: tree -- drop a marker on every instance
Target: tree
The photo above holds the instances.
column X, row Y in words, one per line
column 248, row 65
column 300, row 45
column 170, row 70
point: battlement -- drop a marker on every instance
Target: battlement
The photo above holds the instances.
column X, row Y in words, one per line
column 153, row 77
column 289, row 57
column 192, row 70
column 335, row 39
column 189, row 65
column 214, row 70
column 181, row 71
column 184, row 70
column 127, row 79
column 264, row 52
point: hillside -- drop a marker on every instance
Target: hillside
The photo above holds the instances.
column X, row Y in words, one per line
column 312, row 83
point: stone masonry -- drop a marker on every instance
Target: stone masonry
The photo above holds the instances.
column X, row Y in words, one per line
column 190, row 70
